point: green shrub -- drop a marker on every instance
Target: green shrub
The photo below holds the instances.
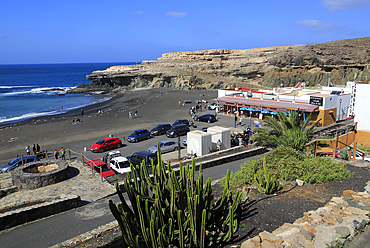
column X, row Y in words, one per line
column 288, row 164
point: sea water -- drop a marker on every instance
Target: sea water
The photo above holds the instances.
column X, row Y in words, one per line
column 28, row 91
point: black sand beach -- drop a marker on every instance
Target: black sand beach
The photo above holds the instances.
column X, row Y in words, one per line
column 154, row 106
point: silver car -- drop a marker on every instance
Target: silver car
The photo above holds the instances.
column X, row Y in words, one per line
column 165, row 146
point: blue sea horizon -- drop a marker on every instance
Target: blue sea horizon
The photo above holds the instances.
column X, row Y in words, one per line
column 28, row 91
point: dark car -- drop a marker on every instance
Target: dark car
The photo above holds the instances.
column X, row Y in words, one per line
column 18, row 162
column 138, row 157
column 207, row 118
column 181, row 121
column 138, row 135
column 106, row 144
column 160, row 129
column 178, row 130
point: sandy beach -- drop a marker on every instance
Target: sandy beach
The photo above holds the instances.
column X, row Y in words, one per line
column 154, row 106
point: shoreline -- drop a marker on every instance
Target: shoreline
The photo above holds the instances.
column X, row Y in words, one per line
column 51, row 116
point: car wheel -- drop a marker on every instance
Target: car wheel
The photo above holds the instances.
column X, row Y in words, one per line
column 118, row 145
column 175, row 135
column 101, row 149
column 148, row 137
column 175, row 149
column 209, row 121
column 136, row 140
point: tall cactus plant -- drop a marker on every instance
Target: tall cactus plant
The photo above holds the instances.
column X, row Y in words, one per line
column 174, row 211
column 265, row 182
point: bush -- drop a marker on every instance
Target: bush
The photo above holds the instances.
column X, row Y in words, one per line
column 288, row 164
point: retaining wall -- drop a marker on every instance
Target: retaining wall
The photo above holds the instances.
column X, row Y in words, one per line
column 19, row 216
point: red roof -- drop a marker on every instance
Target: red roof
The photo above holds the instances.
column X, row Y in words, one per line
column 266, row 104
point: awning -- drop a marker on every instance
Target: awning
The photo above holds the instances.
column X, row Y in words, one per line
column 266, row 104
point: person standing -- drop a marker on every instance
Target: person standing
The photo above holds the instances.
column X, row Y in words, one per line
column 56, row 154
column 38, row 148
column 240, row 120
column 82, row 112
column 135, row 113
column 27, row 150
column 235, row 119
column 34, row 149
column 179, row 103
column 63, row 153
column 219, row 143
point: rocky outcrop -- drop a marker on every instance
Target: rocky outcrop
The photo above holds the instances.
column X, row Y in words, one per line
column 341, row 61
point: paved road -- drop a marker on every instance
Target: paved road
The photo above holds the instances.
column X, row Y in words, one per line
column 66, row 225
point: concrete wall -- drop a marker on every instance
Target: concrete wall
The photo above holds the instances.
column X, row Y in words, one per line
column 362, row 104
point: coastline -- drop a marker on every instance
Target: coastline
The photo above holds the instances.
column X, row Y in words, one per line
column 155, row 106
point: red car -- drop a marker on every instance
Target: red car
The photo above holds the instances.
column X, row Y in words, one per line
column 327, row 154
column 106, row 144
column 97, row 164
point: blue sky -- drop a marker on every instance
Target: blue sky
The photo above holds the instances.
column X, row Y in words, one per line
column 81, row 31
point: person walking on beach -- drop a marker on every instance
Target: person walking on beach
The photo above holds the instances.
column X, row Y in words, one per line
column 37, row 148
column 56, row 154
column 34, row 149
column 82, row 112
column 179, row 103
column 135, row 113
column 61, row 109
column 63, row 153
column 27, row 150
column 130, row 114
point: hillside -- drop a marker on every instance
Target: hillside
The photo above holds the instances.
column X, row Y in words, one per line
column 341, row 61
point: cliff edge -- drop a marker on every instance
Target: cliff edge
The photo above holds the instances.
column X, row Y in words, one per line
column 341, row 61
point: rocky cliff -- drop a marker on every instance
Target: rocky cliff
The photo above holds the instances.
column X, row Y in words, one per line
column 341, row 61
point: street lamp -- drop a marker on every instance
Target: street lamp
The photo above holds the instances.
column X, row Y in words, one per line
column 250, row 119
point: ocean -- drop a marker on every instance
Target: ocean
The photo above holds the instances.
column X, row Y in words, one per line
column 27, row 91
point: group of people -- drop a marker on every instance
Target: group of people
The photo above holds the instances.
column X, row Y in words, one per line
column 35, row 149
column 130, row 114
column 61, row 154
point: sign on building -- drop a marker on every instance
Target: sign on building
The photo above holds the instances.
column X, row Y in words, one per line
column 352, row 102
column 315, row 100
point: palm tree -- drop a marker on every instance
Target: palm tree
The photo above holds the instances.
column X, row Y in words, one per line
column 291, row 131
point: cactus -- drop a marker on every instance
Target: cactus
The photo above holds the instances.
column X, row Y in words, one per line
column 174, row 211
column 265, row 182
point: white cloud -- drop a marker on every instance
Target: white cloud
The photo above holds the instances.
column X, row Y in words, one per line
column 316, row 25
column 139, row 12
column 338, row 5
column 176, row 14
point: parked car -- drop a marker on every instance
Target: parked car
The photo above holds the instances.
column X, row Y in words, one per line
column 207, row 118
column 178, row 130
column 328, row 154
column 18, row 162
column 160, row 129
column 114, row 154
column 138, row 135
column 138, row 157
column 97, row 164
column 120, row 165
column 181, row 121
column 359, row 156
column 106, row 144
column 213, row 106
column 165, row 146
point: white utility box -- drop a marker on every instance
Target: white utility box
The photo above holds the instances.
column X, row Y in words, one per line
column 222, row 134
column 199, row 142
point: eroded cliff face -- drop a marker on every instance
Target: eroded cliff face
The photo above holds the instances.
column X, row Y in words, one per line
column 341, row 61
